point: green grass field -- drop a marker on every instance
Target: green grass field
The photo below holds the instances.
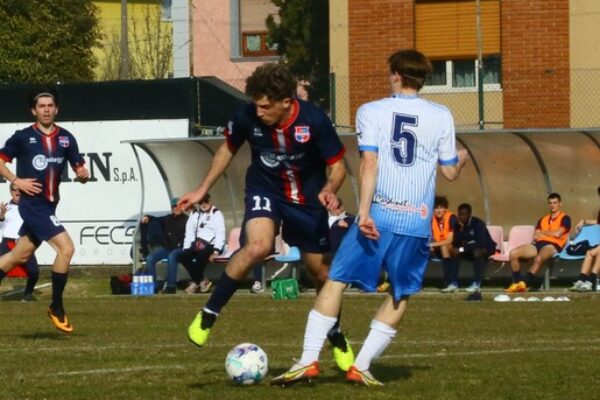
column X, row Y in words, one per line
column 446, row 348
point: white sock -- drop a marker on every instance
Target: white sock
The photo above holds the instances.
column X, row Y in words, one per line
column 314, row 337
column 380, row 336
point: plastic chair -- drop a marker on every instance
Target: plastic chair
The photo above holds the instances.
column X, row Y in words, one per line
column 233, row 245
column 591, row 233
column 290, row 255
column 517, row 236
column 497, row 234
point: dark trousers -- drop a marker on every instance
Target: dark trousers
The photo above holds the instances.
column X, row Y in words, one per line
column 195, row 262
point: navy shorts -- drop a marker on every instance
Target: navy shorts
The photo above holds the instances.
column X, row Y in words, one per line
column 39, row 220
column 360, row 260
column 304, row 226
column 542, row 243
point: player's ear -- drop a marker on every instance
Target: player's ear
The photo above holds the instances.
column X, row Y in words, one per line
column 287, row 102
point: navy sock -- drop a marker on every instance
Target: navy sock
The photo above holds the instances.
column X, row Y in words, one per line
column 224, row 289
column 454, row 266
column 516, row 277
column 593, row 278
column 447, row 267
column 59, row 280
column 583, row 277
column 2, row 274
column 478, row 268
column 529, row 279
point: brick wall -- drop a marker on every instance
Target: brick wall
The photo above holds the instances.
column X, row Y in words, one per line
column 535, row 63
column 376, row 29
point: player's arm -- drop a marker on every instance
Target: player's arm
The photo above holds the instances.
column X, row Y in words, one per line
column 367, row 182
column 337, row 173
column 219, row 164
column 452, row 171
column 28, row 185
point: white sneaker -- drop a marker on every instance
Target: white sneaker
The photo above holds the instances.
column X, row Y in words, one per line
column 191, row 288
column 474, row 288
column 257, row 287
column 451, row 288
column 587, row 286
column 576, row 286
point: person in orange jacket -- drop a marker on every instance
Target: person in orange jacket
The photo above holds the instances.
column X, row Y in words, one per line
column 551, row 235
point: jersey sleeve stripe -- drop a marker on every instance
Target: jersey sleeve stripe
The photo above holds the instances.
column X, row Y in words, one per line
column 5, row 157
column 452, row 161
column 230, row 144
column 374, row 149
column 337, row 157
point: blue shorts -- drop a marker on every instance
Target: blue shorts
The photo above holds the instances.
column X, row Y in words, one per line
column 39, row 220
column 304, row 226
column 359, row 261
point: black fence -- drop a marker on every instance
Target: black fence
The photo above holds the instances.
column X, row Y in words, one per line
column 204, row 101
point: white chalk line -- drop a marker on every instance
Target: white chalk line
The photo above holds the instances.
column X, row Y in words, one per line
column 392, row 356
column 148, row 346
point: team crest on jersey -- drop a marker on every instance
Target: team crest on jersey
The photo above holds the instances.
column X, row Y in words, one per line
column 63, row 141
column 302, row 134
column 257, row 132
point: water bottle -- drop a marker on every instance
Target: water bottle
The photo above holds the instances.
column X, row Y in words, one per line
column 145, row 285
column 135, row 285
column 150, row 285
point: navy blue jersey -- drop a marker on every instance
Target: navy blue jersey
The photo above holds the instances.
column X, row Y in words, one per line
column 288, row 161
column 42, row 157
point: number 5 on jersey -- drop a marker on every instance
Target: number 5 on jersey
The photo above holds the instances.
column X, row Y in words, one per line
column 404, row 141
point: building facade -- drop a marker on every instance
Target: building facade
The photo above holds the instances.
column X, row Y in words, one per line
column 540, row 58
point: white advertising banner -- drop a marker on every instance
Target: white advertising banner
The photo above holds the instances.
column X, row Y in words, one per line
column 101, row 215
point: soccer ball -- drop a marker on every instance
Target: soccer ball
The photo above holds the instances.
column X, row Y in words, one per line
column 246, row 364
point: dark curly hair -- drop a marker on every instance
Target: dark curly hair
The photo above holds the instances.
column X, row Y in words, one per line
column 275, row 81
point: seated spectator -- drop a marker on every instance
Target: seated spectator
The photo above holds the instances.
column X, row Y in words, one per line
column 551, row 235
column 172, row 228
column 472, row 242
column 10, row 222
column 442, row 234
column 339, row 222
column 204, row 240
column 590, row 268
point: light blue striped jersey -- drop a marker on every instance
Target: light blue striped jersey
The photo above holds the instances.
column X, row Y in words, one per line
column 411, row 136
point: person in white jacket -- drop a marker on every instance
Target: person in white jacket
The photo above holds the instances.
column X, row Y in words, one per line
column 204, row 240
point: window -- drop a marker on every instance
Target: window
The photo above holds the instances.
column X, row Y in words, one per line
column 459, row 75
column 257, row 44
column 463, row 73
column 166, row 9
column 438, row 75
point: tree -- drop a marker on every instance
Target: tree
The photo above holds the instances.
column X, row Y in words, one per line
column 302, row 38
column 150, row 47
column 47, row 41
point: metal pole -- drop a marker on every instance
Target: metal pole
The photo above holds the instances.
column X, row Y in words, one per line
column 480, row 65
column 332, row 92
column 124, row 60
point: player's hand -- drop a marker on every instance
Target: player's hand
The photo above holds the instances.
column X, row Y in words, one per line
column 29, row 186
column 145, row 219
column 367, row 227
column 463, row 156
column 83, row 175
column 328, row 199
column 189, row 199
column 3, row 209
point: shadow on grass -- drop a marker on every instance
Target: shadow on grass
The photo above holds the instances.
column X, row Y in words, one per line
column 45, row 336
column 384, row 373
